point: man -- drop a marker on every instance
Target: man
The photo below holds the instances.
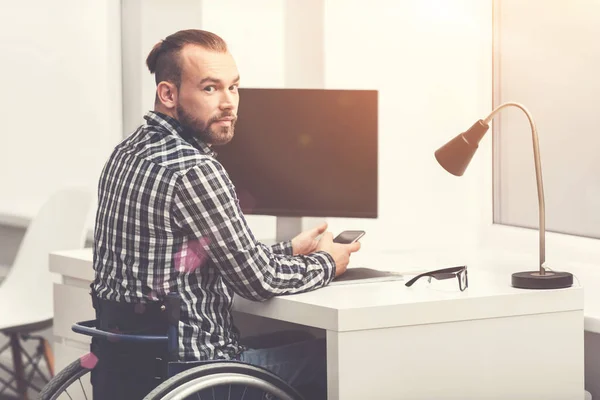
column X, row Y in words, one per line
column 169, row 221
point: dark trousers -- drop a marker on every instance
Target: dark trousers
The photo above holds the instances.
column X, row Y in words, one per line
column 128, row 370
column 295, row 356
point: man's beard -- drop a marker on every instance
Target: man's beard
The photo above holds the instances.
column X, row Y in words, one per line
column 207, row 132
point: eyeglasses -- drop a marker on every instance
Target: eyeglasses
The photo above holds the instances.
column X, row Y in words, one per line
column 447, row 273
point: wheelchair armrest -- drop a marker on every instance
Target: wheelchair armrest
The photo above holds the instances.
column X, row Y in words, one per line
column 88, row 328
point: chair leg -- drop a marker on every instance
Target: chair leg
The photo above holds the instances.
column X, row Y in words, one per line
column 18, row 365
column 49, row 357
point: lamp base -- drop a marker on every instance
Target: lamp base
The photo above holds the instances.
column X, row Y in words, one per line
column 534, row 280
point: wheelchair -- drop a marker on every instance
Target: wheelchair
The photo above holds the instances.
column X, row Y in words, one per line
column 206, row 380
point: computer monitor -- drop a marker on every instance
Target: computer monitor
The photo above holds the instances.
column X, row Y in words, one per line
column 305, row 152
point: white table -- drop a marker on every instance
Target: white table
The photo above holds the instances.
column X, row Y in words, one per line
column 386, row 341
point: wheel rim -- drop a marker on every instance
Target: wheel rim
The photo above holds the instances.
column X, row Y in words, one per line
column 226, row 379
column 63, row 392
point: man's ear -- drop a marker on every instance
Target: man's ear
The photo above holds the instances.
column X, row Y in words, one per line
column 167, row 94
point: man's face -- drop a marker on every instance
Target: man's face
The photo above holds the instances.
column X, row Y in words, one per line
column 208, row 95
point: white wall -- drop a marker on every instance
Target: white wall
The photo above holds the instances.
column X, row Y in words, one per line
column 431, row 62
column 61, row 74
column 145, row 23
column 562, row 251
column 547, row 57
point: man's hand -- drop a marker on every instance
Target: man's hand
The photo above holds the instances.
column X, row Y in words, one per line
column 338, row 251
column 306, row 242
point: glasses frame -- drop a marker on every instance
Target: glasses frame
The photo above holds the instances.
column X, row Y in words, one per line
column 445, row 273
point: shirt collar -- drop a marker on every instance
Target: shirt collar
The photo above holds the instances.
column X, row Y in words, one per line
column 174, row 127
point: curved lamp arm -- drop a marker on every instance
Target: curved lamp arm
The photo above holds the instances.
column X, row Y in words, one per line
column 454, row 157
column 538, row 175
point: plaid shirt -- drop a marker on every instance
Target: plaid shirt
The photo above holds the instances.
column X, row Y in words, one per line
column 169, row 220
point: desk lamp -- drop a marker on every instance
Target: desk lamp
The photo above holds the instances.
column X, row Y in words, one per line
column 455, row 156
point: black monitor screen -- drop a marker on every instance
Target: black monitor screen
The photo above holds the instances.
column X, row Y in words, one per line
column 305, row 152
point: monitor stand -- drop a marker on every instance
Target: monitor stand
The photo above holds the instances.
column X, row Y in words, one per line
column 288, row 227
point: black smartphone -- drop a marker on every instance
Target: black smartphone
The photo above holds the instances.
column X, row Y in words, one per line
column 348, row 237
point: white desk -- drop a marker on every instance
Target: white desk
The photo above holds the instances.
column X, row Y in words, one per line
column 386, row 341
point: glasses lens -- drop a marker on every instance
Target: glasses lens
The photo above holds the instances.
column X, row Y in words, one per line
column 462, row 279
column 443, row 280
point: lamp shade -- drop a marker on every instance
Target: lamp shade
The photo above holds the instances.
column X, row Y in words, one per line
column 456, row 155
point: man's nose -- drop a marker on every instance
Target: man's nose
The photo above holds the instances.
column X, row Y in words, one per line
column 228, row 101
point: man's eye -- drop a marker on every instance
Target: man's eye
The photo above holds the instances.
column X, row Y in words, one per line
column 210, row 89
column 234, row 87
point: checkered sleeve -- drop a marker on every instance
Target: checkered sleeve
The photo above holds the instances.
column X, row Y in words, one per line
column 206, row 207
column 283, row 248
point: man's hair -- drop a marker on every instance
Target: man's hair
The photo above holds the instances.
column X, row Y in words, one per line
column 164, row 60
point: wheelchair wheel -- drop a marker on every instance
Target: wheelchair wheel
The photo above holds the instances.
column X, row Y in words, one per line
column 66, row 384
column 224, row 380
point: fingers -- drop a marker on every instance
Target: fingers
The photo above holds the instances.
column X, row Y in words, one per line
column 354, row 247
column 321, row 228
